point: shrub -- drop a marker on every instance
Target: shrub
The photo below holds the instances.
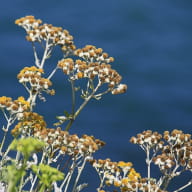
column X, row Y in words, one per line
column 52, row 159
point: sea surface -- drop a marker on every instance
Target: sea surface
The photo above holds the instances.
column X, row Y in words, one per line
column 151, row 41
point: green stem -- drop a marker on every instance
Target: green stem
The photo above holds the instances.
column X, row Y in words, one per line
column 69, row 125
column 42, row 188
column 166, row 182
column 73, row 105
column 86, row 101
column 21, row 183
column 74, row 116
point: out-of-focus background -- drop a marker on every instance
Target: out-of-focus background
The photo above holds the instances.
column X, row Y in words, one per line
column 152, row 45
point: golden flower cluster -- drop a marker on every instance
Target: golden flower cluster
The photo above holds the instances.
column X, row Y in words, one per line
column 33, row 124
column 118, row 174
column 177, row 137
column 80, row 69
column 31, row 78
column 130, row 182
column 105, row 165
column 17, row 106
column 145, row 185
column 172, row 151
column 148, row 139
column 134, row 183
column 94, row 63
column 30, row 123
column 5, row 102
column 69, row 144
column 94, row 66
column 92, row 54
column 176, row 152
column 53, row 35
column 164, row 162
column 28, row 23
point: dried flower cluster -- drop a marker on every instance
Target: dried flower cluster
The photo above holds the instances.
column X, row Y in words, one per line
column 93, row 66
column 31, row 78
column 92, row 54
column 118, row 174
column 28, row 22
column 151, row 185
column 148, row 139
column 30, row 123
column 33, row 124
column 175, row 148
column 69, row 144
column 171, row 152
column 14, row 107
column 123, row 176
column 46, row 32
column 176, row 152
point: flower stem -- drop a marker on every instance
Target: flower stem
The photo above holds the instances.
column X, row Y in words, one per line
column 35, row 55
column 45, row 54
column 35, row 179
column 5, row 134
column 183, row 187
column 148, row 161
column 74, row 115
column 79, row 174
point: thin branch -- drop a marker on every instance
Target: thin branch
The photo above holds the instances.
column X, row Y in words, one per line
column 52, row 73
column 105, row 92
column 35, row 179
column 45, row 54
column 80, row 169
column 9, row 123
column 68, row 177
column 82, row 106
column 183, row 187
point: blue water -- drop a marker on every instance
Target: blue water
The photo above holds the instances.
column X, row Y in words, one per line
column 152, row 45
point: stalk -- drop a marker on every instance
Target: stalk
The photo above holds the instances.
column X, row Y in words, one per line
column 68, row 177
column 9, row 122
column 74, row 116
column 79, row 174
column 35, row 179
column 45, row 54
column 35, row 55
column 148, row 161
column 183, row 187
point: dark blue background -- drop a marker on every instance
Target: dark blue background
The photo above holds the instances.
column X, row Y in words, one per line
column 152, row 45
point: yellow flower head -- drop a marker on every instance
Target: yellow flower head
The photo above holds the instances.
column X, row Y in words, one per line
column 124, row 164
column 124, row 181
column 29, row 70
column 133, row 175
column 21, row 100
column 117, row 183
